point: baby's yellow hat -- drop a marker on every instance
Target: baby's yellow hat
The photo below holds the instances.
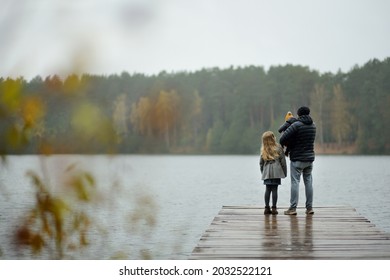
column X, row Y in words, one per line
column 288, row 116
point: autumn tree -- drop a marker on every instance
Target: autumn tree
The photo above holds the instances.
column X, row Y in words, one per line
column 340, row 116
column 167, row 115
column 121, row 115
column 141, row 116
column 317, row 104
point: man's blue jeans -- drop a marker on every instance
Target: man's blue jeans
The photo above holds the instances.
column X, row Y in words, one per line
column 297, row 168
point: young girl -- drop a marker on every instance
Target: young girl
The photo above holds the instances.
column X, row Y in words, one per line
column 273, row 167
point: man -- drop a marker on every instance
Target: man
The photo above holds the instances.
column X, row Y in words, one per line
column 299, row 137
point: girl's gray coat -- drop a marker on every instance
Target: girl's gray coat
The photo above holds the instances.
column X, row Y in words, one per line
column 272, row 169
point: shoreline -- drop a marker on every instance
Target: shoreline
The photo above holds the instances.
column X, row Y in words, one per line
column 336, row 149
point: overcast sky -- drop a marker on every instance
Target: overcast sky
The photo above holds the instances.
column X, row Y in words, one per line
column 45, row 37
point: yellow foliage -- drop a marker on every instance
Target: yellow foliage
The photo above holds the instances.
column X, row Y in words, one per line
column 86, row 119
column 15, row 136
column 22, row 114
column 82, row 184
column 145, row 114
column 73, row 85
column 91, row 126
column 51, row 219
column 33, row 110
column 11, row 94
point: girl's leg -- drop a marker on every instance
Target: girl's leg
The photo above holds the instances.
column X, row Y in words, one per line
column 274, row 195
column 267, row 195
column 274, row 199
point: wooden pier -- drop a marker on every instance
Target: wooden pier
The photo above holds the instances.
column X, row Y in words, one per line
column 244, row 232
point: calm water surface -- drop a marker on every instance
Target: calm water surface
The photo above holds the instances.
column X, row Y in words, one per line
column 183, row 193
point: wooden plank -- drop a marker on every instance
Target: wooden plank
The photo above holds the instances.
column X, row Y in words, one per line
column 335, row 232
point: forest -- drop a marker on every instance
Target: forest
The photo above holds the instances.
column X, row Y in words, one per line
column 209, row 111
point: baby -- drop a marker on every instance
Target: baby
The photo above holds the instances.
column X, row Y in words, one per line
column 289, row 119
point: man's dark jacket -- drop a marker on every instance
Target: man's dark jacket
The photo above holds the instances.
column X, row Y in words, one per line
column 299, row 138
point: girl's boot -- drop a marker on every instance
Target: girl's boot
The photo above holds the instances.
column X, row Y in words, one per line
column 274, row 211
column 267, row 210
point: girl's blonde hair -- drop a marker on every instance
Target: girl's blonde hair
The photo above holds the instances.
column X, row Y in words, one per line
column 269, row 147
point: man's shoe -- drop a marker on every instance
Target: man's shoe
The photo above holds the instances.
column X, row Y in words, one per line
column 267, row 210
column 309, row 211
column 290, row 211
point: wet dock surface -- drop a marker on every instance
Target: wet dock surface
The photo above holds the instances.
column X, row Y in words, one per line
column 244, row 232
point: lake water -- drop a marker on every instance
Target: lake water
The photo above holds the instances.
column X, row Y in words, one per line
column 183, row 193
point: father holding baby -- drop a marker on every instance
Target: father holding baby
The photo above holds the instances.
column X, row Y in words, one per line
column 299, row 138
